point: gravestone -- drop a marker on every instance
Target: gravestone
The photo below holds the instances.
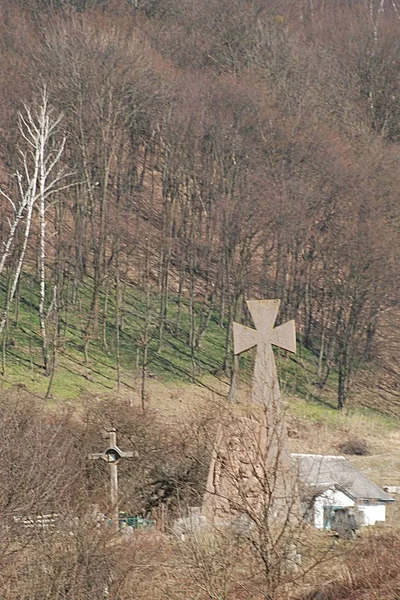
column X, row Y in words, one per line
column 112, row 455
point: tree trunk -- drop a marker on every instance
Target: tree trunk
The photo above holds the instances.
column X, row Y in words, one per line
column 232, row 395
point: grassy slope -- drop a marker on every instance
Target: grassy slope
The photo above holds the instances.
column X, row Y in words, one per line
column 314, row 424
column 73, row 377
column 171, row 365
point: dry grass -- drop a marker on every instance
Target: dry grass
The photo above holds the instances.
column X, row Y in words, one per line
column 367, row 570
column 157, row 570
column 313, row 428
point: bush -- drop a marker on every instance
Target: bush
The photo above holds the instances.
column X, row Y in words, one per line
column 45, row 471
column 371, row 572
column 355, row 446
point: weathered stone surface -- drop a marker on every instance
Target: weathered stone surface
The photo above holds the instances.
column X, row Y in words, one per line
column 251, row 464
column 237, row 469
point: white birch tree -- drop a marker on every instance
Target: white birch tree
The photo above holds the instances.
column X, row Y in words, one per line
column 40, row 176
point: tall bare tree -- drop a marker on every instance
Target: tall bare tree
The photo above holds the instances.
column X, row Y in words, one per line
column 40, row 178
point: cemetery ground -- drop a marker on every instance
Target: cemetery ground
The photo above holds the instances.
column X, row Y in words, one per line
column 178, row 395
column 176, row 385
column 152, row 565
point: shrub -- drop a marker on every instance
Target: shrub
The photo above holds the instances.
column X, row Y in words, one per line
column 371, row 571
column 354, row 446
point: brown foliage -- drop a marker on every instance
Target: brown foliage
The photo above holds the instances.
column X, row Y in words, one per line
column 55, row 538
column 355, row 446
column 246, row 148
column 371, row 571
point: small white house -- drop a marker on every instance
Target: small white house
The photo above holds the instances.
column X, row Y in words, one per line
column 334, row 484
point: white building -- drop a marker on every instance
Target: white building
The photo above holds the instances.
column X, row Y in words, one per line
column 333, row 484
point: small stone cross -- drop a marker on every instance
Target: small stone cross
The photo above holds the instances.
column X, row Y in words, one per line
column 112, row 455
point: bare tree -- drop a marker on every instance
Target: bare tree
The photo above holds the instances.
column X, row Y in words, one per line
column 255, row 512
column 41, row 177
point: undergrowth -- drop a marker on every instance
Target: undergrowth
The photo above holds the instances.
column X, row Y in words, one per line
column 172, row 363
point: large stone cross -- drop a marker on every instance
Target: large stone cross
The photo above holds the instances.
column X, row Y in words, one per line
column 251, row 453
column 265, row 383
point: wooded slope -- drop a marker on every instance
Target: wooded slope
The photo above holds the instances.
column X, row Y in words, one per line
column 211, row 151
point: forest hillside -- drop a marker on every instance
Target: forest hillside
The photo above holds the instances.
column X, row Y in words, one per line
column 161, row 162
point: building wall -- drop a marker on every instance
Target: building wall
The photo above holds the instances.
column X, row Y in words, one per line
column 330, row 498
column 373, row 513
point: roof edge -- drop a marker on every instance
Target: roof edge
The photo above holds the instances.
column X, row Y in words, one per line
column 319, row 455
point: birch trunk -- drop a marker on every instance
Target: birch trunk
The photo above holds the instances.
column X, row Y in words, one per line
column 43, row 136
column 19, row 267
column 17, row 218
column 40, row 177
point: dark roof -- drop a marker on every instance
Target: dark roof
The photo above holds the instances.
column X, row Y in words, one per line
column 326, row 471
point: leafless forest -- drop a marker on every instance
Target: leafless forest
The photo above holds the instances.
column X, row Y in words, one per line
column 216, row 151
column 206, row 152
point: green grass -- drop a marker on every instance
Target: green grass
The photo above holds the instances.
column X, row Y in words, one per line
column 322, row 414
column 172, row 363
column 73, row 378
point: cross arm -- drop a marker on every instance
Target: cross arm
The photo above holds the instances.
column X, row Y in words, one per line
column 96, row 455
column 129, row 454
column 244, row 338
column 284, row 336
column 112, row 455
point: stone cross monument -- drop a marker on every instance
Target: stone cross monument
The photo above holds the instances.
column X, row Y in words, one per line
column 264, row 312
column 265, row 389
column 112, row 455
column 250, row 450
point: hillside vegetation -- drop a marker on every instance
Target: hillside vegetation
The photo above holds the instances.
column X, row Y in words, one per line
column 110, row 369
column 162, row 162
